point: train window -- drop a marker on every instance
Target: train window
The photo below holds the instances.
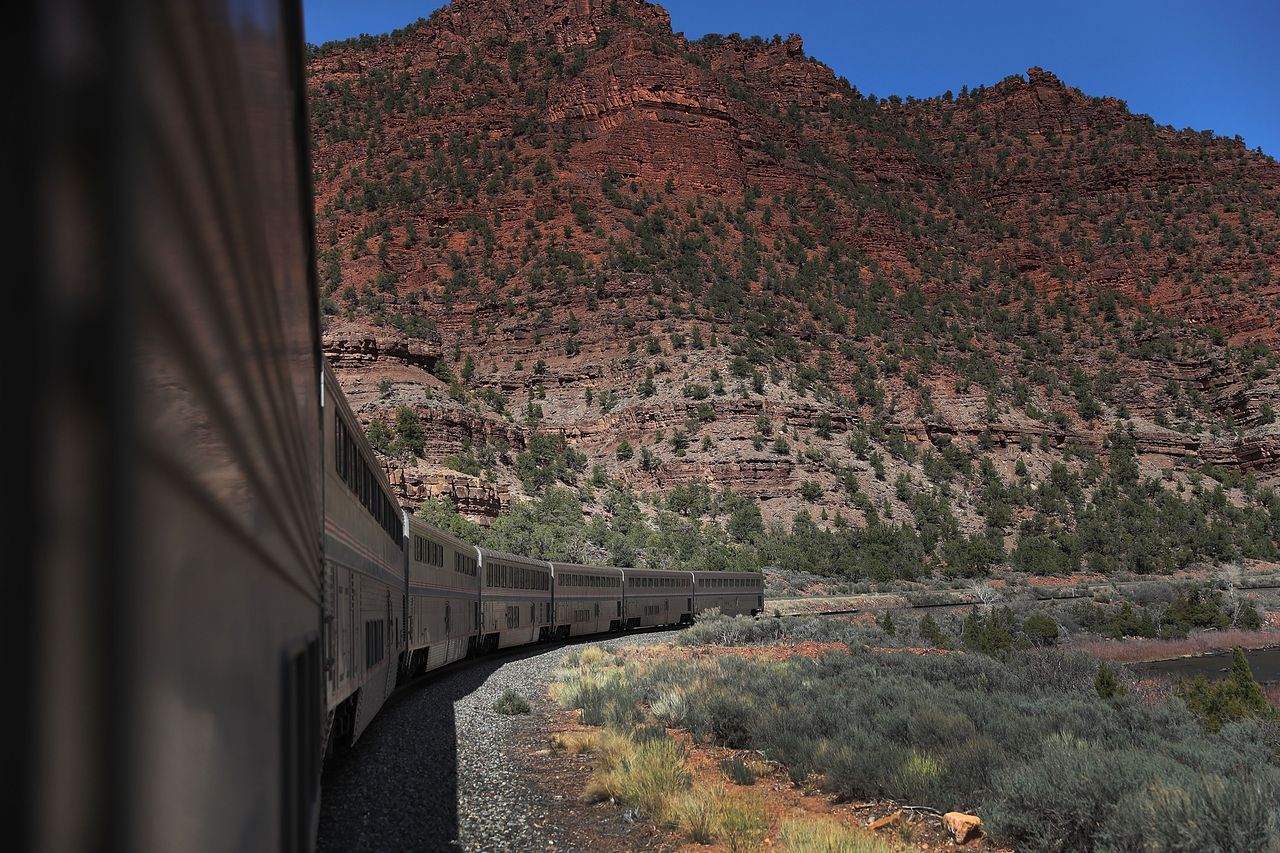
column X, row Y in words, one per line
column 375, row 638
column 464, row 565
column 354, row 470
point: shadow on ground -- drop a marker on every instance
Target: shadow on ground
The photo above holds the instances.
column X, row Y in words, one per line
column 397, row 788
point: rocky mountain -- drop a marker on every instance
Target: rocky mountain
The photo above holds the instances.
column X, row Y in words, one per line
column 559, row 242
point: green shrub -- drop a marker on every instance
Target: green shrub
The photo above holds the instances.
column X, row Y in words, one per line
column 511, row 703
column 731, row 714
column 1040, row 629
column 1075, row 796
column 1209, row 813
column 1106, row 684
column 738, row 771
column 933, row 634
column 1232, row 698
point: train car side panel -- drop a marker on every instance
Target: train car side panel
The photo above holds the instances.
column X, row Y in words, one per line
column 588, row 599
column 443, row 578
column 515, row 599
column 364, row 555
column 171, row 596
column 732, row 593
column 655, row 598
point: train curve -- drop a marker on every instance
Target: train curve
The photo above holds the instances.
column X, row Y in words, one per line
column 440, row 770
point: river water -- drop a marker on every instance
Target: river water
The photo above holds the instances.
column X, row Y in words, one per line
column 1265, row 664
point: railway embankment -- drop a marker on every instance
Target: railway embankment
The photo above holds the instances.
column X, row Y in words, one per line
column 440, row 769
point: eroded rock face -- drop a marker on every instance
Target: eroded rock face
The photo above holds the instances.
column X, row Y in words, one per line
column 551, row 188
column 471, row 496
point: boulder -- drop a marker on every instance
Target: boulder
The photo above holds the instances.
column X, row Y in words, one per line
column 962, row 826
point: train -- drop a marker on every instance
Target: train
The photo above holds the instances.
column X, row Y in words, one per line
column 403, row 597
column 216, row 586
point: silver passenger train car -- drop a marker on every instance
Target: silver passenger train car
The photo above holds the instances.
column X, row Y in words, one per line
column 515, row 600
column 588, row 599
column 732, row 593
column 443, row 599
column 654, row 597
column 364, row 574
column 171, row 591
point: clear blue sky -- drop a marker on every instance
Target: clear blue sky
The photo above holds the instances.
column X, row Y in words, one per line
column 1189, row 63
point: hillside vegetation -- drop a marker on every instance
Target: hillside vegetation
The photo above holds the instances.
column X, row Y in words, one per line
column 707, row 289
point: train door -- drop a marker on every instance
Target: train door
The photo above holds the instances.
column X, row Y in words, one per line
column 448, row 620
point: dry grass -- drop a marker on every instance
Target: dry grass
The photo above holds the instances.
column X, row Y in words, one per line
column 587, row 657
column 608, row 746
column 653, row 775
column 1138, row 650
column 647, row 776
column 714, row 813
column 694, row 814
column 823, row 835
column 743, row 822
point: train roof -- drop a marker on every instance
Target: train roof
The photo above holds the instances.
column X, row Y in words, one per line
column 657, row 571
column 491, row 554
column 581, row 567
column 413, row 522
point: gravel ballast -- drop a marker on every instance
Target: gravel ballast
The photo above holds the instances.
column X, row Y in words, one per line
column 438, row 770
